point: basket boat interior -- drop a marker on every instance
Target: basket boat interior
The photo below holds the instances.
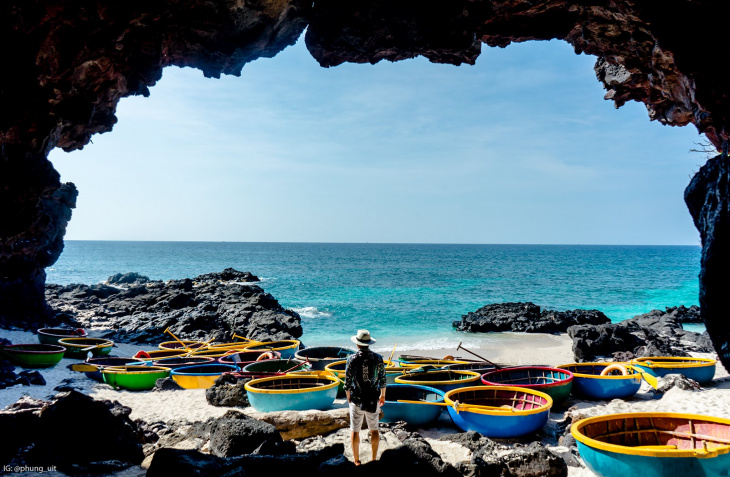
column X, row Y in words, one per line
column 595, row 369
column 325, row 352
column 183, row 360
column 85, row 342
column 410, row 393
column 440, row 376
column 34, row 349
column 482, row 367
column 663, row 432
column 506, row 398
column 292, row 383
column 527, row 377
column 270, row 345
column 276, row 365
column 242, row 356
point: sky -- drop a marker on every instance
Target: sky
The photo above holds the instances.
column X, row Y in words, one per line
column 519, row 148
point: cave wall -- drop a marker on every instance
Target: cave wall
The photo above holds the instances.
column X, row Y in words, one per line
column 66, row 64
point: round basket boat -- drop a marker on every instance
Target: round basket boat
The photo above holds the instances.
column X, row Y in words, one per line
column 338, row 369
column 588, row 382
column 134, row 378
column 106, row 361
column 182, row 361
column 443, row 380
column 321, row 356
column 700, row 369
column 439, row 363
column 33, row 355
column 52, row 335
column 412, row 403
column 80, row 347
column 181, row 345
column 498, row 411
column 200, row 376
column 267, row 367
column 292, row 392
column 240, row 358
column 654, row 444
column 286, row 348
column 159, row 354
column 554, row 382
column 480, row 367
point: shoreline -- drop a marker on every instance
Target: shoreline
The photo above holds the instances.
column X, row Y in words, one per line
column 515, row 349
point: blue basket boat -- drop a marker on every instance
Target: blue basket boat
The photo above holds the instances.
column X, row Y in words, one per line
column 321, row 356
column 498, row 411
column 292, row 392
column 442, row 379
column 700, row 369
column 421, row 409
column 589, row 383
column 200, row 376
column 654, row 444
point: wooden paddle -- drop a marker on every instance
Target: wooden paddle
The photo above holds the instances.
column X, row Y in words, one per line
column 167, row 330
column 496, row 366
column 645, row 376
column 459, row 406
column 390, row 359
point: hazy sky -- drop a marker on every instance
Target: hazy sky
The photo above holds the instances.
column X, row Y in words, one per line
column 520, row 148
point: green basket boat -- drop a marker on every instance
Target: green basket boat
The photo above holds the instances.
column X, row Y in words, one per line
column 79, row 347
column 134, row 378
column 33, row 355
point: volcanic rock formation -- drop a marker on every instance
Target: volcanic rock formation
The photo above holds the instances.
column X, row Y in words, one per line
column 67, row 64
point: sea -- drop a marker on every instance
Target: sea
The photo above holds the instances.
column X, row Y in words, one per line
column 409, row 294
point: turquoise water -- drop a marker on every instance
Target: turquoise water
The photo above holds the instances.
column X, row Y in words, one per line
column 410, row 293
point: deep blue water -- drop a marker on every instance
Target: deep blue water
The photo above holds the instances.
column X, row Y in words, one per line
column 410, row 293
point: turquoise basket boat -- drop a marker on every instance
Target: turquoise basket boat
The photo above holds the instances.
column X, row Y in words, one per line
column 498, row 411
column 554, row 382
column 321, row 356
column 422, row 408
column 588, row 382
column 292, row 392
column 700, row 369
column 443, row 380
column 654, row 444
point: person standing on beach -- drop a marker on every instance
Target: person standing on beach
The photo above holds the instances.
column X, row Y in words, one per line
column 365, row 388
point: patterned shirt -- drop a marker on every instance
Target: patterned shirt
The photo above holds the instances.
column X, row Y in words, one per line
column 364, row 374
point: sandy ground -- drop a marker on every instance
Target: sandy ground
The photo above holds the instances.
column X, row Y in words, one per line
column 512, row 348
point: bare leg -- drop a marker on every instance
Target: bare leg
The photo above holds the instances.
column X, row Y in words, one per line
column 355, row 438
column 374, row 441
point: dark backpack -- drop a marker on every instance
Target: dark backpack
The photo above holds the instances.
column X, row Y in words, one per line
column 365, row 373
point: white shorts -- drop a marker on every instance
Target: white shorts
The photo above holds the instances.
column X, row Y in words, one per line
column 357, row 415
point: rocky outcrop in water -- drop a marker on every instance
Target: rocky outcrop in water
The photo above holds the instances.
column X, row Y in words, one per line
column 209, row 307
column 526, row 317
column 655, row 333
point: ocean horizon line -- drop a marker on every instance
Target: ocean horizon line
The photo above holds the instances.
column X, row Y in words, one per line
column 386, row 243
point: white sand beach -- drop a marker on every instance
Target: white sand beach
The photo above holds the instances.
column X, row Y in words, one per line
column 517, row 348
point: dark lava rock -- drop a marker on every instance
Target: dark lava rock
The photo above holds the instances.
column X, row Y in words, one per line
column 656, row 333
column 76, row 433
column 18, row 422
column 7, row 374
column 533, row 460
column 472, row 440
column 676, row 380
column 236, row 434
column 167, row 461
column 209, row 307
column 228, row 391
column 29, row 377
column 526, row 317
column 414, row 457
column 167, row 384
column 131, row 278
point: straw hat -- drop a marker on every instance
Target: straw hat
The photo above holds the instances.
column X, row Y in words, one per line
column 362, row 338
